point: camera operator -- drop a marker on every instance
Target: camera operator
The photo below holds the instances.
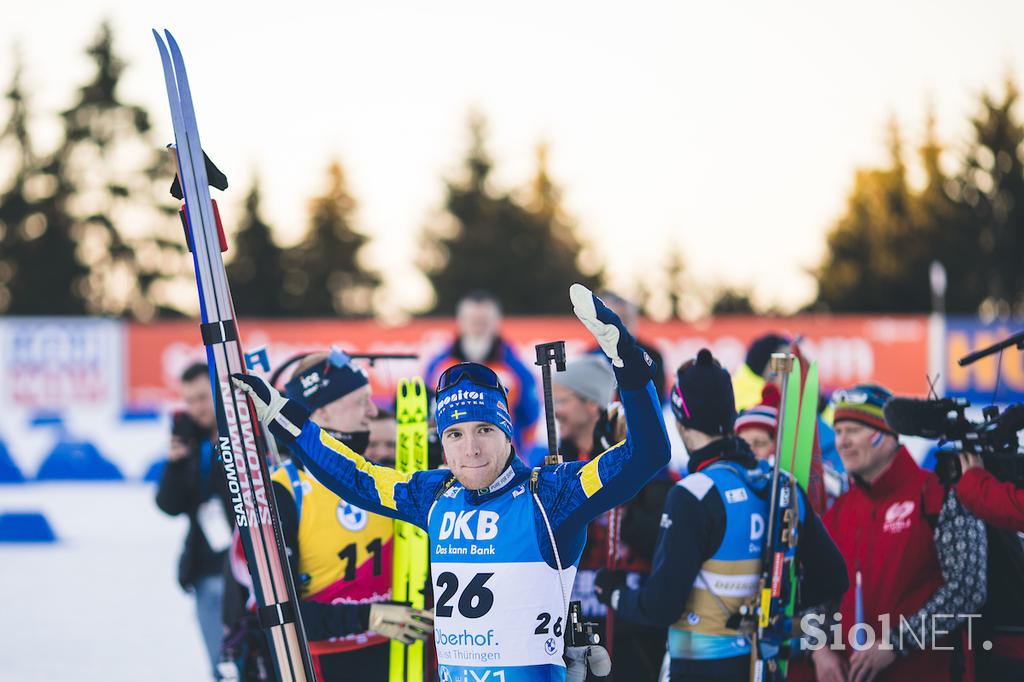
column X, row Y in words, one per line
column 193, row 484
column 986, row 476
column 1000, row 504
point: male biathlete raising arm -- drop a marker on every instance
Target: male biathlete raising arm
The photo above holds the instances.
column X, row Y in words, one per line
column 500, row 583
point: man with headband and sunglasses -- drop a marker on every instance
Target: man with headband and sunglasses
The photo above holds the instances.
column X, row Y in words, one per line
column 341, row 553
column 505, row 540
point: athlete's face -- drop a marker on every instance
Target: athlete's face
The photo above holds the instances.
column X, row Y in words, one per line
column 866, row 452
column 476, row 452
column 349, row 414
column 760, row 441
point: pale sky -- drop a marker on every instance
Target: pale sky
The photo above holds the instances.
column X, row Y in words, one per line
column 729, row 128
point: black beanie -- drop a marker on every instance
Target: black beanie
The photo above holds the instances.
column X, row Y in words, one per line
column 760, row 351
column 702, row 398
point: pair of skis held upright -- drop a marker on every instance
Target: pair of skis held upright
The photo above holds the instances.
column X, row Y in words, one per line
column 241, row 445
column 796, row 438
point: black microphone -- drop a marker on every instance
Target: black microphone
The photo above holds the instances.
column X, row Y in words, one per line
column 914, row 417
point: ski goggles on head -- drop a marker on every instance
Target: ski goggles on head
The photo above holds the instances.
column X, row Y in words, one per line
column 477, row 374
column 863, row 394
column 851, row 396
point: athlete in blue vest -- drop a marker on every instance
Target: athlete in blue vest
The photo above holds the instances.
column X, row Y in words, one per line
column 708, row 557
column 505, row 540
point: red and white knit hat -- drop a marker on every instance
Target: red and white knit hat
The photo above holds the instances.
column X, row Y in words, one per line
column 764, row 416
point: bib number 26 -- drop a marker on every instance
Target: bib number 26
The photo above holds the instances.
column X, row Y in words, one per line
column 475, row 601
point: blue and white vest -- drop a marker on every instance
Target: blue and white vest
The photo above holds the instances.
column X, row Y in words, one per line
column 730, row 577
column 499, row 613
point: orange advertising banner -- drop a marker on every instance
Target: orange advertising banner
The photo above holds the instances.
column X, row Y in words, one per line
column 849, row 349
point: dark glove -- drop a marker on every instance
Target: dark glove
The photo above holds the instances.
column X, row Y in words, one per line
column 633, row 366
column 284, row 418
column 606, row 582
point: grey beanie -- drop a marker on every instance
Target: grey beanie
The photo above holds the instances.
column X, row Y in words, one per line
column 589, row 377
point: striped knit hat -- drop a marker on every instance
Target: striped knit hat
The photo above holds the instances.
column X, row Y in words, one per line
column 863, row 404
column 764, row 416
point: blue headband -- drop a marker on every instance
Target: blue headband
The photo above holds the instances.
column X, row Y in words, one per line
column 469, row 402
column 325, row 382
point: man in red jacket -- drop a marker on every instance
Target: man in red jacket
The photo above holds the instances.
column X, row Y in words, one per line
column 916, row 554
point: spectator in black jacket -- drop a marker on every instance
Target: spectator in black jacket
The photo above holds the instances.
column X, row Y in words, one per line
column 193, row 484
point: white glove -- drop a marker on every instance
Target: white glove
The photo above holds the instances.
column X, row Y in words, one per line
column 599, row 320
column 400, row 622
column 282, row 416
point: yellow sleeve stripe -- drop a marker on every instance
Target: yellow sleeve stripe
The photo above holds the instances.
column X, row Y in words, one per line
column 384, row 478
column 590, row 477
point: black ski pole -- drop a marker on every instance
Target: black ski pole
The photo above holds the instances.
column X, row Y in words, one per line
column 546, row 354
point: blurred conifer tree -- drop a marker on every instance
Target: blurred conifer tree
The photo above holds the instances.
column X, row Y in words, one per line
column 324, row 275
column 970, row 219
column 100, row 234
column 525, row 252
column 990, row 190
column 256, row 269
column 39, row 272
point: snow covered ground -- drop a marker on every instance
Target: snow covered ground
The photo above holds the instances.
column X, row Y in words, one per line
column 103, row 603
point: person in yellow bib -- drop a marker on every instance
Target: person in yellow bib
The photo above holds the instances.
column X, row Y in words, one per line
column 341, row 554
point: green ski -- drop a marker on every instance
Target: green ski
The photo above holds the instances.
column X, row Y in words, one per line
column 791, row 409
column 796, row 443
column 807, row 428
column 409, row 571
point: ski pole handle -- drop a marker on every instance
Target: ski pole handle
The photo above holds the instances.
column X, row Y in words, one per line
column 546, row 354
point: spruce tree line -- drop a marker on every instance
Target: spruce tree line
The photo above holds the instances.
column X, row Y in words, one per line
column 87, row 226
column 968, row 214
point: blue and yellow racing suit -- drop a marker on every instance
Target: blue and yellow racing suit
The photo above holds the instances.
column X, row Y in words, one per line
column 500, row 601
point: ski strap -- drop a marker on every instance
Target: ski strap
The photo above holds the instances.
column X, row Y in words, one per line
column 219, row 331
column 272, row 615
